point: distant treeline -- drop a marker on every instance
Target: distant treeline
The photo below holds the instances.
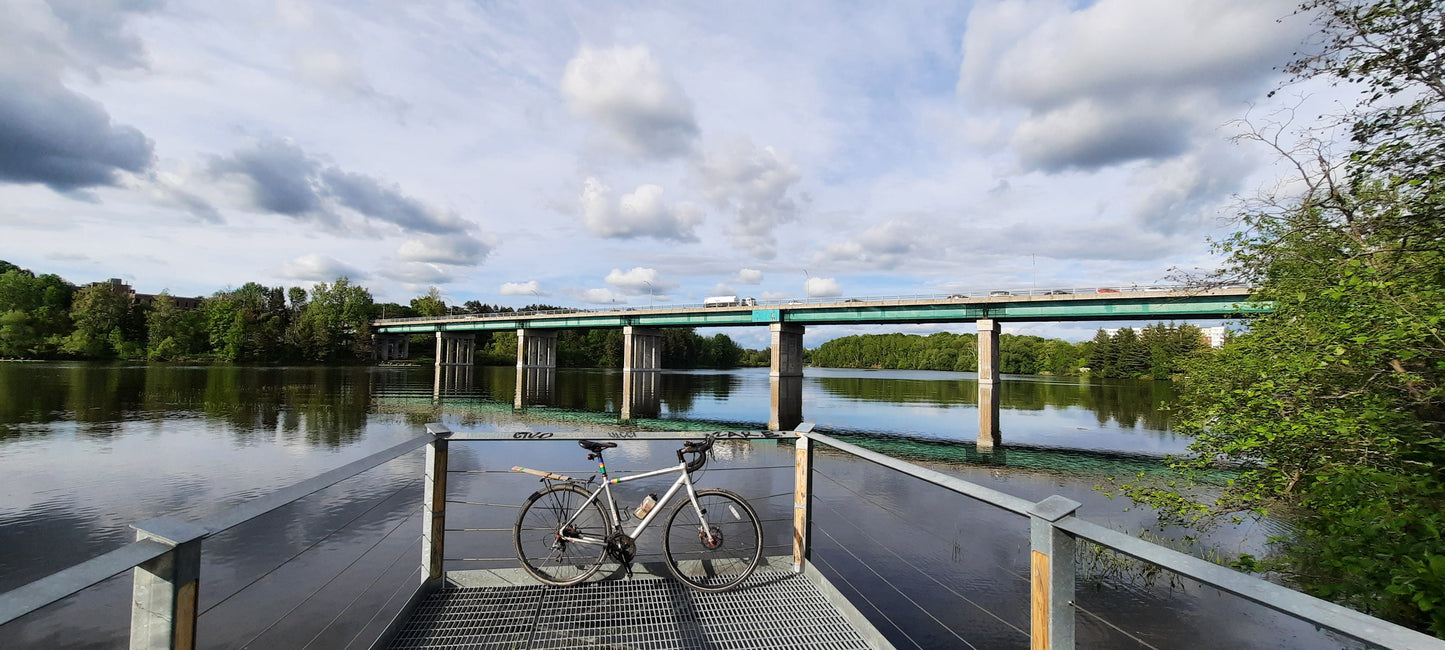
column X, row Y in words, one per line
column 45, row 317
column 1155, row 352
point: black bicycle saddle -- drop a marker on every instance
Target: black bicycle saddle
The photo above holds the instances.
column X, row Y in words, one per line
column 595, row 447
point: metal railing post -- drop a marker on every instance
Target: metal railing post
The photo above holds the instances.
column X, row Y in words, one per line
column 802, row 496
column 434, row 505
column 164, row 591
column 1051, row 568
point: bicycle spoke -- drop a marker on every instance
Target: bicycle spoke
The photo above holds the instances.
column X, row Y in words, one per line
column 719, row 553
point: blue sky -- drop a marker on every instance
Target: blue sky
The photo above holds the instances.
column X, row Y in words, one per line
column 595, row 153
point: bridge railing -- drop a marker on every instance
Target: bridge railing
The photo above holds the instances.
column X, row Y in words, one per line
column 815, row 301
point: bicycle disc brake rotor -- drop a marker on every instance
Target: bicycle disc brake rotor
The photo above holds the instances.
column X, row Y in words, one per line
column 713, row 540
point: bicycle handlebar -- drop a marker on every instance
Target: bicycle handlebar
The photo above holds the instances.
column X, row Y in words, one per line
column 699, row 449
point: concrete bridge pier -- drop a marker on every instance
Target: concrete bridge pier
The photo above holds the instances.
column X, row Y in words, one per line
column 456, row 349
column 451, row 379
column 641, row 372
column 988, row 384
column 786, row 377
column 536, row 367
column 385, row 347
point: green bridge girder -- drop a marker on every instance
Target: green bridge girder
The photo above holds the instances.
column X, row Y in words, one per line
column 1176, row 305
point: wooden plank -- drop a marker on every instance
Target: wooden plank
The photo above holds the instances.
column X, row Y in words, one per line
column 802, row 487
column 538, row 472
column 1039, row 600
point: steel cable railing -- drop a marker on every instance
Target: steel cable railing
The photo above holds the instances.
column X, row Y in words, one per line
column 309, row 547
column 930, row 576
column 408, row 550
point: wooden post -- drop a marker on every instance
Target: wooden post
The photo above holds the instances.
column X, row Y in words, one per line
column 1051, row 569
column 434, row 505
column 164, row 590
column 802, row 496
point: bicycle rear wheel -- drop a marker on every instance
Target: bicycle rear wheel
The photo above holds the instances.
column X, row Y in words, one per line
column 720, row 557
column 547, row 535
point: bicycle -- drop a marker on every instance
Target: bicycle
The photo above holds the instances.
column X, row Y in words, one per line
column 713, row 540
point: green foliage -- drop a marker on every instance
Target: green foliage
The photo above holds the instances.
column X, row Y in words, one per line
column 430, row 304
column 1158, row 357
column 97, row 313
column 34, row 313
column 1332, row 405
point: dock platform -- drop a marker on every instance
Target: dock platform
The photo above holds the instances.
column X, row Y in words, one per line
column 774, row 608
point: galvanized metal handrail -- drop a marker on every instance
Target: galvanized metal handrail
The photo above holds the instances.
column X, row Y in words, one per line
column 1055, row 527
column 35, row 595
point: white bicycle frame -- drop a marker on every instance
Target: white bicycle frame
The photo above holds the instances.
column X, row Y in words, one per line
column 614, row 515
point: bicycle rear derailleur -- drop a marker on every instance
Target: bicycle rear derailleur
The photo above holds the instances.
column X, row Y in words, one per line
column 622, row 549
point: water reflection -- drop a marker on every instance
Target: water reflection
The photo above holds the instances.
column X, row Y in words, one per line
column 1127, row 403
column 325, row 406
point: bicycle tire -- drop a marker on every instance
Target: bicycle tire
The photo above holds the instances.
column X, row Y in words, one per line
column 730, row 556
column 543, row 553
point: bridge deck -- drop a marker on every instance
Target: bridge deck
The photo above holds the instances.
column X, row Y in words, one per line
column 773, row 609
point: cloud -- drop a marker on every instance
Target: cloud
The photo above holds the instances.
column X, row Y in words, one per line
column 50, row 134
column 749, row 276
column 1120, row 80
column 341, row 77
column 528, row 288
column 636, row 281
column 382, row 202
column 625, row 91
column 457, row 250
column 599, row 296
column 319, row 268
column 417, row 274
column 822, row 288
column 883, row 246
column 640, row 214
column 753, row 184
column 280, row 177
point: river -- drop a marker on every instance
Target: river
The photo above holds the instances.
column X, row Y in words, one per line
column 86, row 450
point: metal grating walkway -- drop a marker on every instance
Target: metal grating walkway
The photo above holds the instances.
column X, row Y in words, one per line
column 770, row 610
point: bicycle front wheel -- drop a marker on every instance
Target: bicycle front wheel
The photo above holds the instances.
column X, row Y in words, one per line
column 558, row 540
column 718, row 556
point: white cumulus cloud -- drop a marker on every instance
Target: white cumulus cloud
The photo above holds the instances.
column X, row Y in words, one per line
column 639, row 214
column 755, row 185
column 528, row 288
column 458, row 249
column 626, row 92
column 636, row 281
column 822, row 288
column 749, row 276
column 318, row 268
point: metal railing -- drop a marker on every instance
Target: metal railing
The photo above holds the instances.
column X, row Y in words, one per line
column 817, row 301
column 166, row 560
column 1054, row 530
column 166, row 555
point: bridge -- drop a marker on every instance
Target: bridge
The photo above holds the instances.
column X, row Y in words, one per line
column 787, row 320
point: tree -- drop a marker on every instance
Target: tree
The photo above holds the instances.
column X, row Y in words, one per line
column 430, row 304
column 1334, row 404
column 34, row 312
column 97, row 312
column 335, row 323
column 171, row 332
